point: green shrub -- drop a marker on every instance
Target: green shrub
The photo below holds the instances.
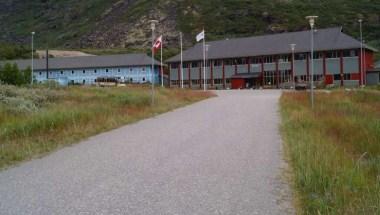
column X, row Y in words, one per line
column 10, row 74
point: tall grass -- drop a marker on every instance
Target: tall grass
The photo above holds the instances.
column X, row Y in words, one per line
column 34, row 121
column 334, row 150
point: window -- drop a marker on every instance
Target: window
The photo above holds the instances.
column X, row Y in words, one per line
column 106, row 70
column 72, row 72
column 337, row 77
column 84, row 81
column 318, row 55
column 347, row 76
column 255, row 60
column 95, row 71
column 284, row 58
column 40, row 73
column 350, row 53
column 194, row 64
column 118, row 70
column 333, row 54
column 143, row 69
column 130, row 69
column 301, row 56
column 268, row 59
column 84, row 71
column 143, row 79
column 228, row 62
column 218, row 62
column 61, row 72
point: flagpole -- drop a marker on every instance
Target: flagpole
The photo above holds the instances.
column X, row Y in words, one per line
column 180, row 36
column 204, row 60
column 162, row 70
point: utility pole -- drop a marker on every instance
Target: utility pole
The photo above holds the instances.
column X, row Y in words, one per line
column 361, row 54
column 153, row 27
column 293, row 47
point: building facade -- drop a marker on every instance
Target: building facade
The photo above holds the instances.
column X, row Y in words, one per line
column 269, row 62
column 131, row 68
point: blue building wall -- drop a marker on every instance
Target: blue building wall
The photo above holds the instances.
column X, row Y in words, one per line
column 87, row 76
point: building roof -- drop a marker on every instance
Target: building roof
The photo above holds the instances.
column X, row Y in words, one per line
column 324, row 39
column 87, row 62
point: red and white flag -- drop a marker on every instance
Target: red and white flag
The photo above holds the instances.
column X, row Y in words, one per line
column 157, row 44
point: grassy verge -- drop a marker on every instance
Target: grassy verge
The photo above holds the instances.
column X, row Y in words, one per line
column 39, row 120
column 334, row 150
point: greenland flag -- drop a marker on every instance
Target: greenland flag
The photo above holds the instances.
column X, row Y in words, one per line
column 157, row 44
column 201, row 36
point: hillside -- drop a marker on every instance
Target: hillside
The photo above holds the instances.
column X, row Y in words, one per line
column 123, row 23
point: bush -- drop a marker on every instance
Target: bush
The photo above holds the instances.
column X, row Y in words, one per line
column 10, row 74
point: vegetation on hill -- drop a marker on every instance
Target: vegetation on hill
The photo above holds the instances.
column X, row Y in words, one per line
column 34, row 121
column 10, row 51
column 334, row 150
column 124, row 23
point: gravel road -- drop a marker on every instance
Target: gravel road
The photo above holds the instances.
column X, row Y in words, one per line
column 219, row 156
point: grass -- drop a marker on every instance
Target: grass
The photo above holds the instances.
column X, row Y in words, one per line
column 35, row 121
column 334, row 150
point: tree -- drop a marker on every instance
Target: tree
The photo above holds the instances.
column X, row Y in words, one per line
column 10, row 74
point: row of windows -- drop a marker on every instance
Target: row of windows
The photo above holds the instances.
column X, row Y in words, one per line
column 199, row 82
column 94, row 71
column 271, row 59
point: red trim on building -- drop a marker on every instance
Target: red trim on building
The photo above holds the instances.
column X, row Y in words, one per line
column 224, row 75
column 324, row 64
column 212, row 73
column 308, row 67
column 361, row 71
column 249, row 64
column 292, row 68
column 355, row 76
column 200, row 76
column 277, row 74
column 237, row 83
column 341, row 68
column 329, row 79
column 179, row 76
column 262, row 71
column 189, row 69
column 170, row 80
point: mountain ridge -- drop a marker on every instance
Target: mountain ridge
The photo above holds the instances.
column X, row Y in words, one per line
column 85, row 24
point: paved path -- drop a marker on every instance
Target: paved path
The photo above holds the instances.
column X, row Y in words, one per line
column 219, row 156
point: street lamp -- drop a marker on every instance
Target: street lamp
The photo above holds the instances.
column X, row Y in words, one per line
column 180, row 38
column 361, row 53
column 153, row 27
column 293, row 48
column 312, row 23
column 32, row 57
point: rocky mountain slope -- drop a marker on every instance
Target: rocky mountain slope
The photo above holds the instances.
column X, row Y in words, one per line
column 124, row 23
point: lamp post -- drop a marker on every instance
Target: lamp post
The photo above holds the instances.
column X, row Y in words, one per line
column 312, row 23
column 361, row 53
column 31, row 80
column 153, row 27
column 180, row 38
column 293, row 48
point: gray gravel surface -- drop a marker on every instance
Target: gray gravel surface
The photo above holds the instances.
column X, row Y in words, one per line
column 219, row 156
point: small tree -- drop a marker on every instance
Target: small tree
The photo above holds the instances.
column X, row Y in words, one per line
column 10, row 74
